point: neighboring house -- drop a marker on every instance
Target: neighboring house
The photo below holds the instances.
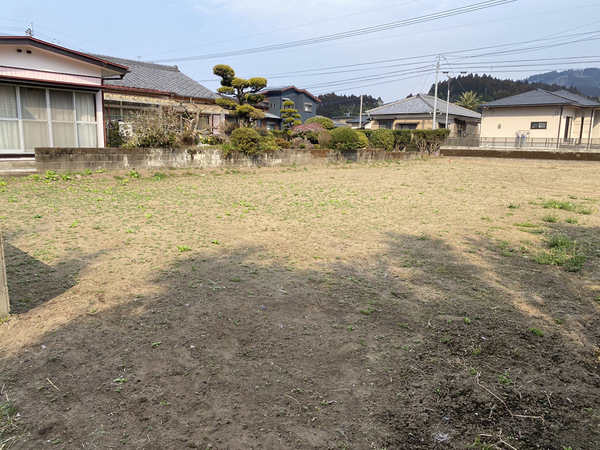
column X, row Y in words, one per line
column 540, row 117
column 270, row 122
column 416, row 113
column 304, row 101
column 353, row 121
column 50, row 96
column 359, row 122
column 149, row 85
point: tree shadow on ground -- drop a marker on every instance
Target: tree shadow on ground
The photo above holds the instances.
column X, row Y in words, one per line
column 421, row 344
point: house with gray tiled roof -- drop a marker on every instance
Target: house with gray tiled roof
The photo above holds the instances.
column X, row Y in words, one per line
column 50, row 96
column 416, row 113
column 540, row 117
column 148, row 85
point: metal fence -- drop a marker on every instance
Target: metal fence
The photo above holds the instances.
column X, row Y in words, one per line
column 523, row 142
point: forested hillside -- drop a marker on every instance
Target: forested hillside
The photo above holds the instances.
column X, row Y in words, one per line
column 586, row 81
column 490, row 88
column 333, row 105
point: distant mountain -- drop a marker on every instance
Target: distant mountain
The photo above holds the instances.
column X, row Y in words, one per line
column 586, row 81
column 490, row 88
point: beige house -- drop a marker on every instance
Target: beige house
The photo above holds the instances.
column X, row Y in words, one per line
column 416, row 113
column 541, row 119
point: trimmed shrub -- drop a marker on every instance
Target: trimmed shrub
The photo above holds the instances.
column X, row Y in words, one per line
column 363, row 140
column 344, row 139
column 325, row 122
column 402, row 140
column 383, row 139
column 246, row 140
column 279, row 133
column 429, row 141
column 268, row 143
column 282, row 143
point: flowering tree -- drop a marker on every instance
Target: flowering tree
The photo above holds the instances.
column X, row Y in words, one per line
column 308, row 131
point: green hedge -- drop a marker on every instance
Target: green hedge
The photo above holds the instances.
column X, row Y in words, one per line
column 344, row 139
column 382, row 138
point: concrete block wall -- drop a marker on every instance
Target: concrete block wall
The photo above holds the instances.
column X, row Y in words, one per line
column 80, row 159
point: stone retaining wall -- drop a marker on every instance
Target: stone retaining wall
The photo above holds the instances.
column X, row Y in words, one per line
column 80, row 159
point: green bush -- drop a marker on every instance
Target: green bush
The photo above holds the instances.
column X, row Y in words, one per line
column 324, row 139
column 279, row 133
column 363, row 140
column 382, row 138
column 246, row 140
column 325, row 122
column 282, row 143
column 344, row 139
column 268, row 143
column 402, row 140
column 429, row 141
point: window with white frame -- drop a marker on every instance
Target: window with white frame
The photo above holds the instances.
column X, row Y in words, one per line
column 9, row 119
column 308, row 107
column 33, row 117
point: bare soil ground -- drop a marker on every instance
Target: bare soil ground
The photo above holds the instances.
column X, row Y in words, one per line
column 440, row 304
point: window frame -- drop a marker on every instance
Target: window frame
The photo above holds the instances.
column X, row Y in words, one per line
column 538, row 126
column 48, row 119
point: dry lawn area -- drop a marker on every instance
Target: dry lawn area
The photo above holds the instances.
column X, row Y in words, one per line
column 437, row 304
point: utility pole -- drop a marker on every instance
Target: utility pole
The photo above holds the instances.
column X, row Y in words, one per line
column 448, row 98
column 360, row 113
column 437, row 74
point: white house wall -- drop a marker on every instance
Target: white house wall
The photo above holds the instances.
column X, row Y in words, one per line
column 48, row 70
column 508, row 122
column 46, row 66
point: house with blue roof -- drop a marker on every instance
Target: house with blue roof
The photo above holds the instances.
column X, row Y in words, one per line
column 542, row 118
column 416, row 113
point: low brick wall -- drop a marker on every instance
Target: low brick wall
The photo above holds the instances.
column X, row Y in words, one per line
column 520, row 154
column 80, row 159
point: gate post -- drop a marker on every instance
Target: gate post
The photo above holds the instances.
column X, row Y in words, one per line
column 4, row 305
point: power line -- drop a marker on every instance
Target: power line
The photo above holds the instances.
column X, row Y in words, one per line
column 283, row 29
column 343, row 35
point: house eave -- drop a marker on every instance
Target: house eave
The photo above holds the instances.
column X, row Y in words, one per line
column 117, row 69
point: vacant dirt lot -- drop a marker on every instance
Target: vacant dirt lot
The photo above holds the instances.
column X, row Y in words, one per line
column 425, row 304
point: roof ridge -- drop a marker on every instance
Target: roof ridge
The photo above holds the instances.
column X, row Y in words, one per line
column 127, row 61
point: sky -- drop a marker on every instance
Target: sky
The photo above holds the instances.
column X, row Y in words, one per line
column 382, row 48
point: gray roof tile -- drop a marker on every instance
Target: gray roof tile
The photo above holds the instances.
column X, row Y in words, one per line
column 540, row 97
column 421, row 104
column 158, row 77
